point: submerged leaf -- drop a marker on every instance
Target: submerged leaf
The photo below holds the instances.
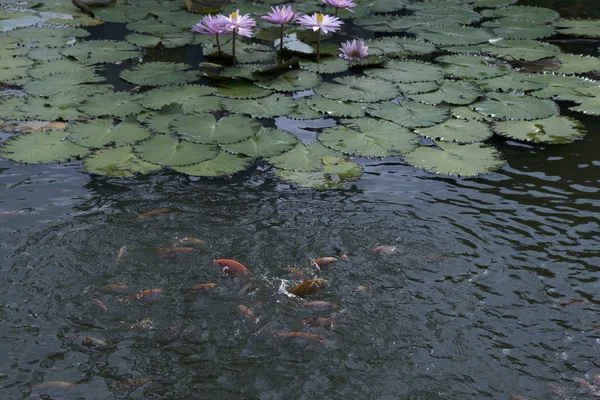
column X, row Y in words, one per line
column 553, row 130
column 41, row 148
column 119, row 162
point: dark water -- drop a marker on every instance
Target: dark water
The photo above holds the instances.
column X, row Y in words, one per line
column 468, row 307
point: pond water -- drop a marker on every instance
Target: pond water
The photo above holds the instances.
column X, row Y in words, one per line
column 473, row 303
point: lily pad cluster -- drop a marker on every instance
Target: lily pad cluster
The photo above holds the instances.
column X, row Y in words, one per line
column 442, row 78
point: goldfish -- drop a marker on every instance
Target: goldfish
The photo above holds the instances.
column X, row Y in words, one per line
column 114, row 287
column 571, row 301
column 387, row 249
column 247, row 312
column 154, row 213
column 93, row 342
column 54, row 385
column 589, row 388
column 175, row 250
column 516, row 397
column 308, row 287
column 100, row 305
column 323, row 263
column 6, row 213
column 202, row 287
column 303, row 335
column 122, row 253
column 325, row 322
column 232, row 267
column 188, row 242
column 149, row 294
column 320, row 305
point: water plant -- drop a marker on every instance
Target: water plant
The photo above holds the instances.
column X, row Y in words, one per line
column 280, row 16
column 237, row 24
column 321, row 24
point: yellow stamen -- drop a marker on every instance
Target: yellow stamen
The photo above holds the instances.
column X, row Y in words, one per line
column 319, row 18
column 234, row 15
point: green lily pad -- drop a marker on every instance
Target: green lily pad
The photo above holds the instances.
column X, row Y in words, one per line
column 44, row 54
column 513, row 106
column 291, row 81
column 368, row 137
column 159, row 74
column 337, row 171
column 575, row 64
column 451, row 92
column 453, row 35
column 579, row 27
column 58, row 107
column 562, row 87
column 492, row 3
column 12, row 68
column 170, row 150
column 223, row 164
column 336, row 108
column 63, row 82
column 152, row 26
column 326, row 66
column 351, row 88
column 160, row 121
column 456, row 130
column 167, row 41
column 264, row 107
column 510, row 82
column 114, row 13
column 408, row 113
column 536, row 15
column 589, row 105
column 528, row 50
column 396, row 46
column 117, row 104
column 266, row 142
column 203, row 128
column 119, row 162
column 516, row 28
column 553, row 130
column 192, row 98
column 303, row 111
column 101, row 51
column 39, row 71
column 454, row 159
column 471, row 67
column 419, row 87
column 241, row 89
column 98, row 133
column 303, row 158
column 46, row 36
column 407, row 71
column 41, row 148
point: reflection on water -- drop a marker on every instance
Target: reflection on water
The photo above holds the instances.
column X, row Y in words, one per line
column 491, row 290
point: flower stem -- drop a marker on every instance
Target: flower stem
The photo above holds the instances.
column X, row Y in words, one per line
column 318, row 46
column 219, row 47
column 281, row 46
column 233, row 49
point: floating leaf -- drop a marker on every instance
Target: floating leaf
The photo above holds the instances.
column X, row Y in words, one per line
column 192, row 98
column 303, row 111
column 536, row 15
column 118, row 104
column 510, row 82
column 563, row 87
column 419, row 87
column 407, row 71
column 265, row 107
column 44, row 54
column 101, row 51
column 326, row 66
column 291, row 81
column 517, row 28
column 59, row 106
column 492, row 3
column 449, row 13
column 240, row 89
column 41, row 148
column 351, row 88
column 456, row 130
column 589, row 105
column 395, row 46
column 579, row 27
column 167, row 41
column 12, row 68
column 114, row 13
column 408, row 113
column 159, row 74
column 171, row 151
column 46, row 36
column 528, row 50
column 161, row 120
column 336, row 108
column 451, row 92
column 223, row 164
column 368, row 137
column 266, row 142
column 453, row 35
column 203, row 128
column 514, row 106
column 465, row 160
column 574, row 64
column 553, row 130
column 152, row 26
column 119, row 162
column 336, row 172
column 303, row 158
column 98, row 133
column 58, row 66
column 472, row 67
column 63, row 82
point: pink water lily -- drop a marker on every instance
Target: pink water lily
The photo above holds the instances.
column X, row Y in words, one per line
column 354, row 51
column 238, row 24
column 320, row 23
column 210, row 25
column 340, row 4
column 280, row 16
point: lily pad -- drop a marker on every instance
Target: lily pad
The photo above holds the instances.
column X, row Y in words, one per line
column 575, row 64
column 395, row 46
column 267, row 142
column 579, row 27
column 41, row 148
column 101, row 51
column 407, row 71
column 264, row 107
column 456, row 130
column 159, row 74
column 203, row 128
column 46, row 36
column 160, row 121
column 528, row 50
column 192, row 98
column 509, row 82
column 451, row 92
column 514, row 106
column 351, row 88
column 553, row 130
column 172, row 151
column 56, row 67
column 453, row 35
column 119, row 162
column 241, row 89
column 454, row 159
column 517, row 28
column 63, row 82
column 368, row 137
column 336, row 108
column 326, row 66
column 536, row 15
column 337, row 171
column 562, row 87
column 408, row 113
column 98, row 133
column 223, row 164
column 291, row 81
column 303, row 158
column 152, row 26
column 471, row 67
column 118, row 104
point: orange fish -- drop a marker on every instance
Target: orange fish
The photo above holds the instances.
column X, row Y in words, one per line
column 297, row 273
column 93, row 342
column 6, row 213
column 320, row 305
column 325, row 322
column 115, row 287
column 154, row 213
column 202, row 287
column 100, row 305
column 174, row 250
column 54, row 385
column 384, row 249
column 323, row 263
column 589, row 388
column 247, row 312
column 188, row 242
column 122, row 253
column 232, row 267
column 149, row 294
column 571, row 301
column 308, row 287
column 303, row 335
